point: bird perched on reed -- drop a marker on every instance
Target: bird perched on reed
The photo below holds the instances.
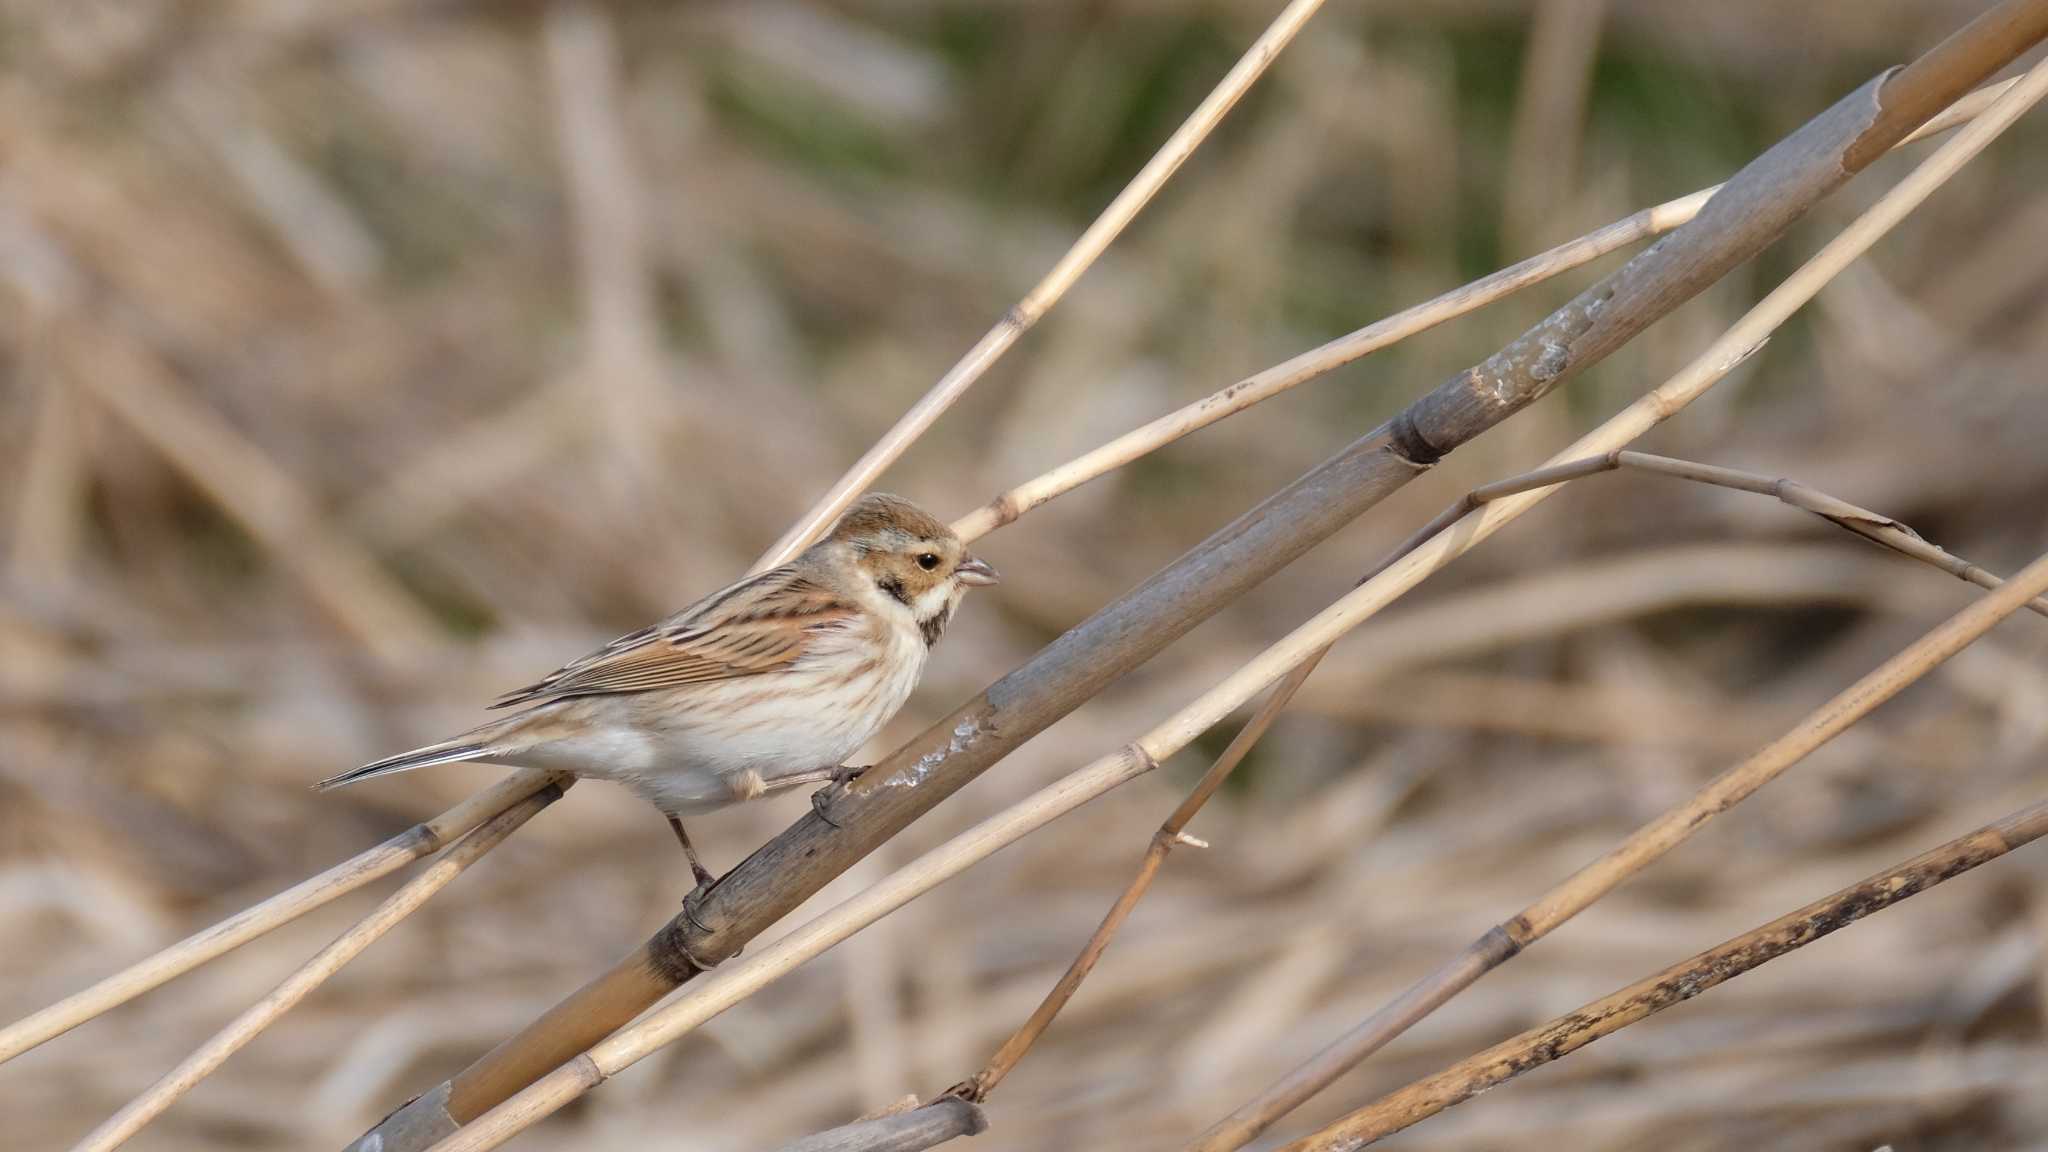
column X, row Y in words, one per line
column 767, row 684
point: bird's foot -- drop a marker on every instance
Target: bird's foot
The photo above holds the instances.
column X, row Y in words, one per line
column 823, row 799
column 694, row 898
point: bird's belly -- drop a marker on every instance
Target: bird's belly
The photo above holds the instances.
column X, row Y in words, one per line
column 724, row 745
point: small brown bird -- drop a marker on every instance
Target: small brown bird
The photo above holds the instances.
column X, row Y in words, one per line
column 767, row 684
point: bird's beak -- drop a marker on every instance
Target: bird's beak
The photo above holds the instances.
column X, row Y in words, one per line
column 974, row 571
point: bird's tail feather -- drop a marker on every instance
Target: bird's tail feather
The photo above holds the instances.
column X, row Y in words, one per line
column 446, row 752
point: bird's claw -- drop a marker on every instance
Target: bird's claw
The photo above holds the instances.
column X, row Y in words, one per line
column 822, row 799
column 694, row 898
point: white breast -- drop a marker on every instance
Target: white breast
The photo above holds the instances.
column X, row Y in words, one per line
column 702, row 749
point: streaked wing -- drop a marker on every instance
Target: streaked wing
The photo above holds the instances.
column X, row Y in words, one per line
column 758, row 625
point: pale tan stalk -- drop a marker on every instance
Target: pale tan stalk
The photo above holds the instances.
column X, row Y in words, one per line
column 1264, row 385
column 1171, row 834
column 735, row 980
column 1026, row 312
column 350, row 944
column 1271, row 382
column 420, row 840
column 1674, row 985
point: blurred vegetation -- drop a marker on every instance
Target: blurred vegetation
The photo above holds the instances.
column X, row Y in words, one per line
column 364, row 358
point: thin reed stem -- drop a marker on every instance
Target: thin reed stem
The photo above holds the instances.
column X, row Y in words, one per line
column 1674, row 985
column 1006, row 507
column 1872, row 526
column 420, row 840
column 1172, row 832
column 1026, row 312
column 315, row 972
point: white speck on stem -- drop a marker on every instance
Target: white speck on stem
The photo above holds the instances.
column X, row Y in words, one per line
column 963, row 734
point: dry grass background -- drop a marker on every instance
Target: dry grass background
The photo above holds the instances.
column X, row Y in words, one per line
column 365, row 358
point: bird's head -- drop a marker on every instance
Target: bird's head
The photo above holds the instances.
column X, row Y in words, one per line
column 909, row 557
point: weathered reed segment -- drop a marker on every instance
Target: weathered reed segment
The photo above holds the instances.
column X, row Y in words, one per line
column 315, row 972
column 1674, row 985
column 1085, row 250
column 948, row 1118
column 420, row 840
column 1746, row 215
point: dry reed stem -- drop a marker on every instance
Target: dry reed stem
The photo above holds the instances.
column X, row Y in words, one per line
column 1170, row 833
column 1674, row 985
column 1753, row 209
column 317, row 892
column 935, row 1123
column 1872, row 526
column 1731, row 349
column 1026, row 312
column 1014, row 502
column 729, row 983
column 350, row 944
column 1005, row 508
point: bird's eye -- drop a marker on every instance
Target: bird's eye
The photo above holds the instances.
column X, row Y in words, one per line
column 927, row 561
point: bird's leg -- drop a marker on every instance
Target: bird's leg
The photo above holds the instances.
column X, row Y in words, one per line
column 799, row 779
column 703, row 875
column 836, row 780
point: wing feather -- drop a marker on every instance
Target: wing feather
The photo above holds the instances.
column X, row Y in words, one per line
column 762, row 624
